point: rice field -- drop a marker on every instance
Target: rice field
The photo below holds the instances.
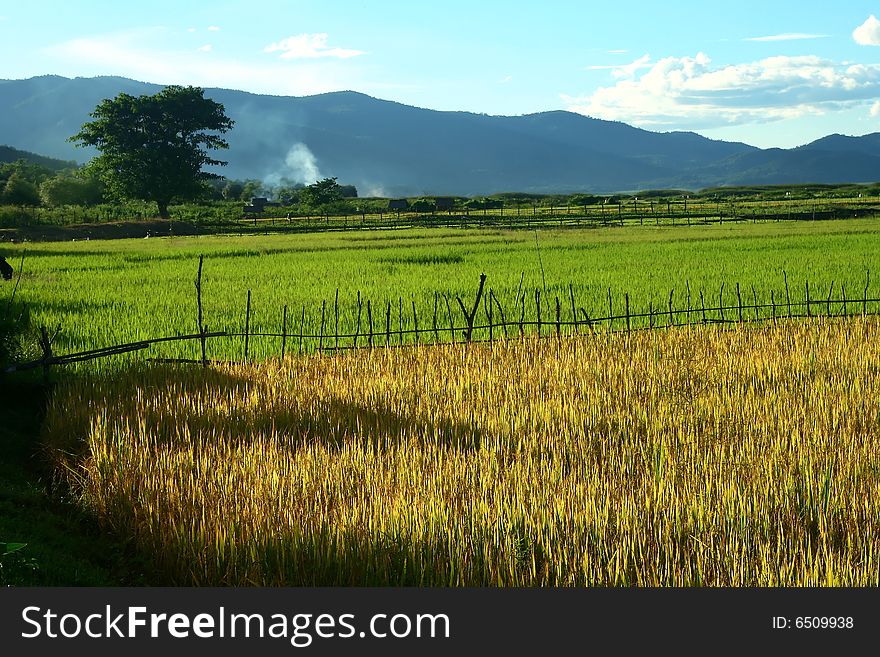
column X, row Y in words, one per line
column 693, row 456
column 103, row 293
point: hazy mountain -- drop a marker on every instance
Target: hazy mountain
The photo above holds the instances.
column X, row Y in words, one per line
column 390, row 149
column 9, row 154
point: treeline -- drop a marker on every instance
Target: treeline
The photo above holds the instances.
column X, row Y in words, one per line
column 24, row 182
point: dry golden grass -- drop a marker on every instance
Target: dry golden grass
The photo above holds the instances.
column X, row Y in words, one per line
column 693, row 456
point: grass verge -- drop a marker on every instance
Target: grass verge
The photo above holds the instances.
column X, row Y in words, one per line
column 44, row 541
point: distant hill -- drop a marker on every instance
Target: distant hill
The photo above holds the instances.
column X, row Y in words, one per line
column 9, row 154
column 389, row 149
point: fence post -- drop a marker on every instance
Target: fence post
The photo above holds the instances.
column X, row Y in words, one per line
column 469, row 317
column 487, row 308
column 501, row 313
column 247, row 324
column 787, row 294
column 588, row 321
column 807, row 286
column 336, row 325
column 415, row 321
column 671, row 319
column 740, row 301
column 610, row 312
column 574, row 318
column 626, row 299
column 283, row 331
column 46, row 346
column 357, row 331
column 755, row 298
column 688, row 286
column 321, row 335
column 201, row 324
column 436, row 332
column 370, row 320
column 703, row 306
column 721, row 304
column 828, row 302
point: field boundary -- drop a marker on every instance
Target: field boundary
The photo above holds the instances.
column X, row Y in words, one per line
column 676, row 210
column 551, row 316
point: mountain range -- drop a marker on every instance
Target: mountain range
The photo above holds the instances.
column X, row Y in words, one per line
column 386, row 148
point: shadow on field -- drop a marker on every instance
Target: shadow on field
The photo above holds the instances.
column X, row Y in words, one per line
column 216, row 405
column 183, row 406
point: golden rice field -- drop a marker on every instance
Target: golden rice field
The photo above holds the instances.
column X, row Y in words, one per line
column 689, row 456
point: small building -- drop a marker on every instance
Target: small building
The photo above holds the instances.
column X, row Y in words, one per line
column 258, row 204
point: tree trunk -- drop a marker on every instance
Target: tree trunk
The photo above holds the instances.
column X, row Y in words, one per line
column 163, row 209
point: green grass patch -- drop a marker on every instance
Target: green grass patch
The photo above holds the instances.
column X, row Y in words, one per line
column 107, row 292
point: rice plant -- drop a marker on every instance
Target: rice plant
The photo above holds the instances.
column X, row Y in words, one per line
column 690, row 456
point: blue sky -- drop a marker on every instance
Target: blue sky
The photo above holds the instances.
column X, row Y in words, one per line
column 766, row 73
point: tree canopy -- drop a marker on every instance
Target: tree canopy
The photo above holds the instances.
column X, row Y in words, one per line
column 322, row 192
column 154, row 147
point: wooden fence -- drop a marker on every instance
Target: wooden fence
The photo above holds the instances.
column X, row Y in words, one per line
column 629, row 212
column 485, row 319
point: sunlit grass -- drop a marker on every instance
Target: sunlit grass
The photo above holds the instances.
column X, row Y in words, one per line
column 109, row 292
column 691, row 456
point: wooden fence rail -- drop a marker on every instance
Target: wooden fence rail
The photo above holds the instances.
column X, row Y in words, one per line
column 378, row 330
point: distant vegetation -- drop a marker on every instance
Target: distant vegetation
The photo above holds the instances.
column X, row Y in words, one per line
column 9, row 155
column 37, row 191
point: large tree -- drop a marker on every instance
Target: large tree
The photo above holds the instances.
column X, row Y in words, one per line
column 154, row 147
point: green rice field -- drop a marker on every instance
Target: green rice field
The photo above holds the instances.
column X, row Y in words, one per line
column 107, row 292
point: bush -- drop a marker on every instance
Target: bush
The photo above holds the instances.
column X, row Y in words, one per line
column 12, row 216
column 17, row 340
column 19, row 191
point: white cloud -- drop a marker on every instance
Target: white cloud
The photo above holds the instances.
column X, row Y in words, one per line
column 788, row 36
column 691, row 93
column 213, row 28
column 505, row 79
column 875, row 109
column 309, row 46
column 154, row 55
column 617, row 52
column 206, row 48
column 868, row 33
column 625, row 70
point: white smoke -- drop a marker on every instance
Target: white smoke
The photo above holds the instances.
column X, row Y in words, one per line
column 300, row 166
column 378, row 191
